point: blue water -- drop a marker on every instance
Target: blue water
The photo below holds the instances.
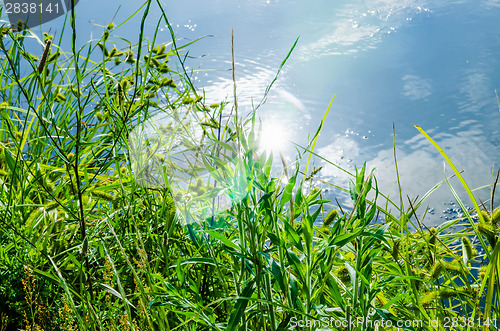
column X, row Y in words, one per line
column 432, row 63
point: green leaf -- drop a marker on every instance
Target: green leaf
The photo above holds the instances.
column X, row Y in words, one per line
column 274, row 239
column 345, row 238
column 294, row 291
column 336, row 228
column 276, row 272
column 293, row 236
column 316, row 135
column 313, row 196
column 352, row 191
column 299, row 197
column 314, row 216
column 11, row 163
column 287, row 193
column 240, row 306
column 307, row 231
column 116, row 293
column 335, row 292
column 360, row 178
column 180, row 272
column 353, row 272
column 268, row 166
column 373, row 235
column 296, row 264
column 223, row 239
column 195, row 260
column 455, row 170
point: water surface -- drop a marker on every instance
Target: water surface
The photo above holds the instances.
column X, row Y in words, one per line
column 432, row 63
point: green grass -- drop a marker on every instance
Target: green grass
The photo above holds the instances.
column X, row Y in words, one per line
column 92, row 237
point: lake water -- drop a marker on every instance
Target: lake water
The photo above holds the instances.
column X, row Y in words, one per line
column 431, row 63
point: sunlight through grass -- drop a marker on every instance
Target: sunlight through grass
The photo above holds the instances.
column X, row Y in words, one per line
column 274, row 137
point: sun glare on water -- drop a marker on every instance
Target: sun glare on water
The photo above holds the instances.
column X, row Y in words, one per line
column 274, row 137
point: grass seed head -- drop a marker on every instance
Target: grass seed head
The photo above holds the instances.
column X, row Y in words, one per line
column 130, row 56
column 99, row 116
column 113, row 52
column 103, row 195
column 471, row 251
column 343, row 274
column 4, row 31
column 447, row 293
column 486, row 216
column 20, row 25
column 162, row 56
column 315, row 171
column 330, row 217
column 155, row 62
column 51, row 206
column 482, row 271
column 325, row 231
column 429, row 298
column 166, row 81
column 436, row 270
column 432, row 236
column 395, row 251
column 43, row 60
column 495, row 216
column 103, row 49
column 453, row 267
column 47, row 37
column 161, row 50
column 163, row 68
column 47, row 184
column 488, row 231
column 33, row 216
column 60, row 97
column 54, row 56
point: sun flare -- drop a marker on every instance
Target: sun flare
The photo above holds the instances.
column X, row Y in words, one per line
column 274, row 137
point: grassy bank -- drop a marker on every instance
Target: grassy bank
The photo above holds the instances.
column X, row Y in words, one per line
column 186, row 227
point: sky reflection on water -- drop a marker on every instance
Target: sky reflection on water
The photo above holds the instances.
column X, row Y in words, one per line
column 434, row 63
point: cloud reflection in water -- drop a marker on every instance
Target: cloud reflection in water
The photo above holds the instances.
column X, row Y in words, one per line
column 361, row 26
column 415, row 87
column 421, row 166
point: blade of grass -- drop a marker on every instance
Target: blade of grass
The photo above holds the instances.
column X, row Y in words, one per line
column 455, row 170
column 316, row 135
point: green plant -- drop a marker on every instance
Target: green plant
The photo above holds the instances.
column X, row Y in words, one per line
column 105, row 225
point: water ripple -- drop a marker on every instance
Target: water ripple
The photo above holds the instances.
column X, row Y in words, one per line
column 359, row 27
